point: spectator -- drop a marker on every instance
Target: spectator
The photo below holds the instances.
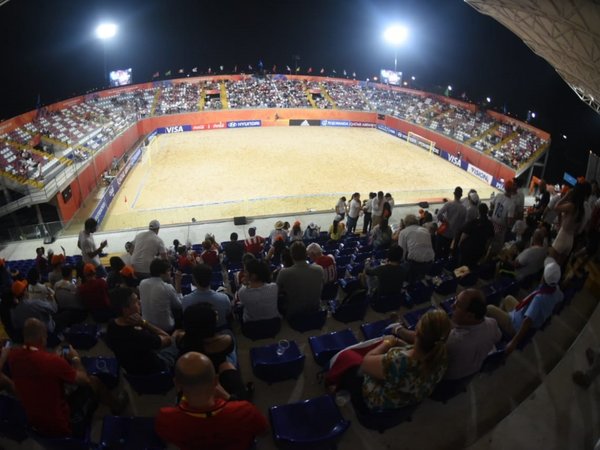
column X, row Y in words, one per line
column 140, row 347
column 337, row 229
column 259, row 297
column 541, row 201
column 36, row 290
column 377, row 208
column 233, row 250
column 275, row 252
column 388, row 278
column 161, row 302
column 415, row 241
column 572, row 211
column 67, row 298
column 517, row 318
column 146, row 247
column 126, row 257
column 254, row 244
column 312, row 232
column 199, row 334
column 93, row 292
column 114, row 277
column 388, row 206
column 301, row 284
column 278, row 231
column 452, row 215
column 201, row 276
column 354, row 208
column 503, row 215
column 474, row 239
column 296, row 232
column 327, row 262
column 185, row 259
column 531, row 260
column 519, row 199
column 381, row 235
column 209, row 255
column 33, row 303
column 55, row 274
column 368, row 213
column 40, row 378
column 196, row 420
column 89, row 252
column 341, row 208
column 41, row 262
column 471, row 204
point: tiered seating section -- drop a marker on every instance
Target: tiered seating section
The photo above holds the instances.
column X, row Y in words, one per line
column 91, row 124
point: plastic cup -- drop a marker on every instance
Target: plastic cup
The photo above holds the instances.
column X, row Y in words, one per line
column 282, row 346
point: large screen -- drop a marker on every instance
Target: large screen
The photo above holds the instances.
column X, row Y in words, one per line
column 120, row 77
column 391, row 77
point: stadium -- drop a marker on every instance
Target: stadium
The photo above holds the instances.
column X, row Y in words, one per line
column 218, row 153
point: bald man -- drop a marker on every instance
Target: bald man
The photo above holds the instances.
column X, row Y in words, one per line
column 205, row 414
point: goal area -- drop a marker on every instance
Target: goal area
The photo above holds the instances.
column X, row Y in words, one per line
column 422, row 142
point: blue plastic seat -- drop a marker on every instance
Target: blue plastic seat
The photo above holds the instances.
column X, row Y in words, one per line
column 106, row 369
column 261, row 329
column 152, row 384
column 315, row 423
column 351, row 309
column 271, row 367
column 411, row 318
column 361, row 257
column 308, row 321
column 374, row 329
column 82, row 336
column 13, row 421
column 386, row 303
column 354, row 269
column 66, row 443
column 325, row 346
column 130, row 433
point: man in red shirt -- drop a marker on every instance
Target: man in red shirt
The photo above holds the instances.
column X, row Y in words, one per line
column 93, row 293
column 205, row 417
column 40, row 378
column 327, row 262
column 254, row 244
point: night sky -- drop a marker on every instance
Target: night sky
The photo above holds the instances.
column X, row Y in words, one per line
column 49, row 49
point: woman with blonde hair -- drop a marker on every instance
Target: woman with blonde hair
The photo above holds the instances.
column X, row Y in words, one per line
column 398, row 374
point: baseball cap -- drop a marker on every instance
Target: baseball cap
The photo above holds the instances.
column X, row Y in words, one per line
column 154, row 225
column 551, row 272
column 89, row 269
column 312, row 225
column 127, row 271
column 18, row 287
column 57, row 259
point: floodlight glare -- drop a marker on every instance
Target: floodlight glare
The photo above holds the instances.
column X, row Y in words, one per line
column 106, row 30
column 396, row 34
column 488, row 99
column 449, row 87
column 413, row 78
column 533, row 115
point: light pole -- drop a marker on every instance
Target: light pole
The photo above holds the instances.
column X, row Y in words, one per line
column 105, row 31
column 396, row 35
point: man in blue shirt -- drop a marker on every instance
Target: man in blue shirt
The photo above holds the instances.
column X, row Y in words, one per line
column 517, row 318
column 201, row 275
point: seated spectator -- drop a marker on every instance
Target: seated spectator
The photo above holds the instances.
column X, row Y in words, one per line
column 140, row 347
column 278, row 231
column 40, row 378
column 55, row 274
column 474, row 239
column 300, row 285
column 36, row 290
column 41, row 307
column 234, row 250
column 185, row 259
column 201, row 276
column 209, row 255
column 161, row 301
column 381, row 235
column 417, row 247
column 259, row 296
column 296, row 232
column 388, row 278
column 114, row 277
column 516, row 318
column 241, row 277
column 472, row 336
column 312, row 232
column 531, row 260
column 205, row 415
column 327, row 262
column 337, row 229
column 199, row 334
column 93, row 292
column 254, row 244
column 274, row 253
column 41, row 263
column 126, row 257
column 67, row 298
column 394, row 374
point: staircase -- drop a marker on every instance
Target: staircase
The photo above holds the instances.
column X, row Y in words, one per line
column 509, row 138
column 309, row 96
column 202, row 100
column 155, row 101
column 224, row 100
column 326, row 95
column 482, row 135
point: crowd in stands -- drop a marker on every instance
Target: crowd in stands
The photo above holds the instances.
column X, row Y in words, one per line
column 97, row 120
column 172, row 307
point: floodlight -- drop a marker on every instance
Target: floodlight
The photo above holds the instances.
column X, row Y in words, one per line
column 396, row 34
column 564, row 136
column 405, row 83
column 106, row 30
column 413, row 78
column 449, row 87
column 488, row 99
column 533, row 115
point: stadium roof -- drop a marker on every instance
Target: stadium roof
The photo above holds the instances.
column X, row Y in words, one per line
column 566, row 33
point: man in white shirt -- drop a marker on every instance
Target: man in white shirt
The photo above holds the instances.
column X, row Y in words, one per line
column 531, row 260
column 353, row 212
column 89, row 252
column 368, row 210
column 146, row 247
column 417, row 247
column 503, row 215
column 377, row 206
column 161, row 301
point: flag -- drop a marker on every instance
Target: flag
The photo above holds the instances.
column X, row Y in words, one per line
column 344, row 72
column 310, row 70
column 221, row 67
column 180, row 70
column 288, row 68
column 274, row 68
column 322, row 70
column 155, row 75
column 195, row 69
column 168, row 73
column 235, row 69
column 298, row 69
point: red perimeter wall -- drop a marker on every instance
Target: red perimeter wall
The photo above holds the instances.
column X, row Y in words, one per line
column 88, row 179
